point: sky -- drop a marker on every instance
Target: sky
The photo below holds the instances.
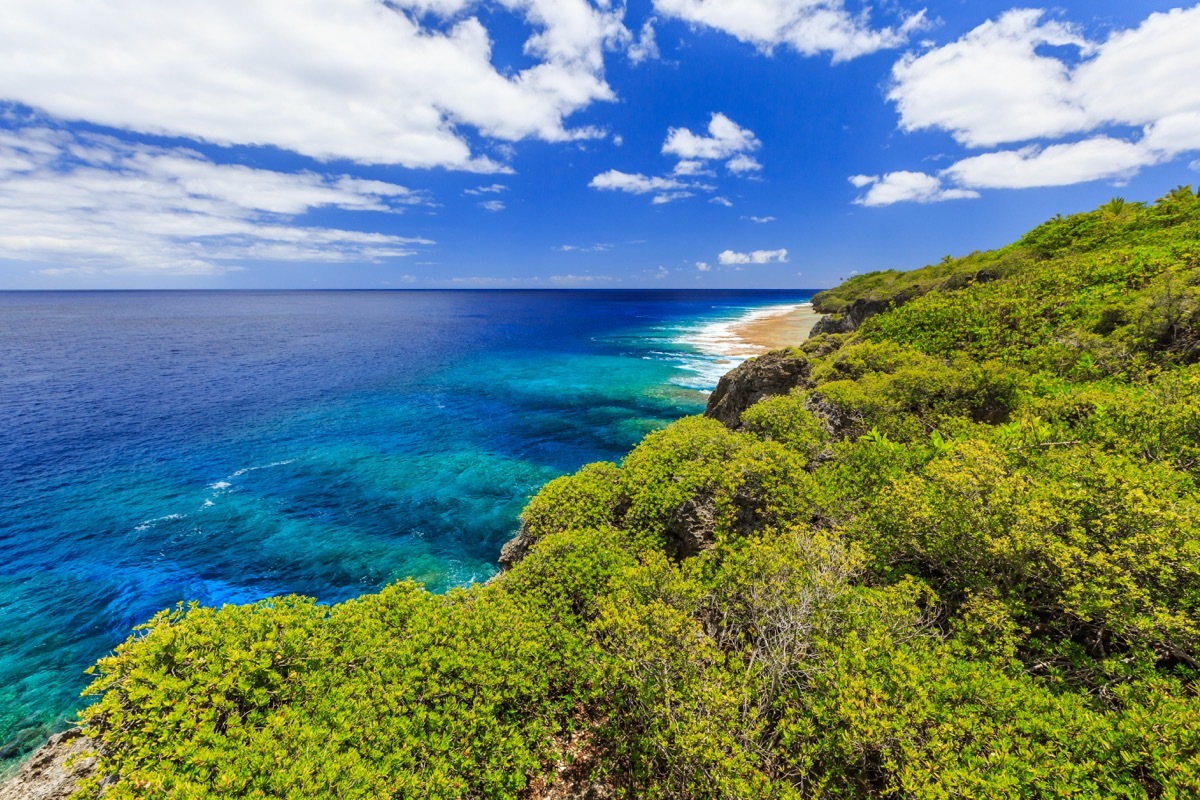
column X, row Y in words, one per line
column 786, row 144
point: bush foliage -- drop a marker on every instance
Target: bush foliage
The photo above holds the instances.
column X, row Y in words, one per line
column 963, row 562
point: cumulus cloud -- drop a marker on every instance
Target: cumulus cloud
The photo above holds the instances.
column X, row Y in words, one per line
column 760, row 220
column 1057, row 165
column 809, row 27
column 725, row 139
column 645, row 48
column 901, row 187
column 992, row 85
column 703, row 266
column 1133, row 99
column 670, row 197
column 93, row 204
column 743, row 164
column 362, row 80
column 633, row 183
column 721, row 201
column 665, row 190
column 689, row 168
column 495, row 188
column 779, row 256
column 492, row 205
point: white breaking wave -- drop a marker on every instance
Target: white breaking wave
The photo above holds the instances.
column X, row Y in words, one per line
column 244, row 470
column 146, row 525
column 717, row 346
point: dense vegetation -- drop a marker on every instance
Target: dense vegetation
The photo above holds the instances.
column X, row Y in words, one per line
column 961, row 559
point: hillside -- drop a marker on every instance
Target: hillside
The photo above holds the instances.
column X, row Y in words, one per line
column 953, row 552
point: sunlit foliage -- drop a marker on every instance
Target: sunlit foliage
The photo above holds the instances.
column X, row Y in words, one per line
column 963, row 562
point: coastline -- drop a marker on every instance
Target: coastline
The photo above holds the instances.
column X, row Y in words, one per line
column 774, row 328
column 725, row 344
column 753, row 333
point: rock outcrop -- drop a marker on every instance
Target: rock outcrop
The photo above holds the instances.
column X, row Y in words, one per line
column 47, row 775
column 776, row 372
column 855, row 315
column 516, row 548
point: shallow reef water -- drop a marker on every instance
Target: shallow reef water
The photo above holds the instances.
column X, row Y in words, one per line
column 229, row 446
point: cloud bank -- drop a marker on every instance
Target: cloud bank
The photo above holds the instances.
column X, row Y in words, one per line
column 361, row 80
column 1130, row 102
column 809, row 27
column 96, row 205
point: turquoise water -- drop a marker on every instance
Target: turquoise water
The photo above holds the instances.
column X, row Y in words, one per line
column 229, row 446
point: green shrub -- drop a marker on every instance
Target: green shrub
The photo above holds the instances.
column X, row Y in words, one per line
column 588, row 499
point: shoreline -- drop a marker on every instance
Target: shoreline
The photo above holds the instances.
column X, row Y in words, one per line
column 786, row 327
column 723, row 344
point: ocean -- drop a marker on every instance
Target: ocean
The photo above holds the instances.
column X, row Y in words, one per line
column 230, row 446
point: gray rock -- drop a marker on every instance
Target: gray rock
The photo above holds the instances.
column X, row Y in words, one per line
column 46, row 775
column 856, row 315
column 516, row 548
column 776, row 372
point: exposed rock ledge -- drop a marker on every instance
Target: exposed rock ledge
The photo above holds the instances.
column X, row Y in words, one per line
column 855, row 315
column 46, row 775
column 776, row 372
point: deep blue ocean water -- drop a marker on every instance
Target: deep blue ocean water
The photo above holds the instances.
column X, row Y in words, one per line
column 230, row 446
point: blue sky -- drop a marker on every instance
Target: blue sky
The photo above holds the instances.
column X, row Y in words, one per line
column 569, row 143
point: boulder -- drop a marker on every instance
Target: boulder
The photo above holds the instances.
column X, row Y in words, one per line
column 776, row 372
column 47, row 774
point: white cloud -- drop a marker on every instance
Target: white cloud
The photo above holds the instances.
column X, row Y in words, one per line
column 760, row 220
column 331, row 79
column 725, row 138
column 779, row 256
column 807, row 26
column 689, row 168
column 742, row 164
column 721, row 201
column 1057, row 165
column 901, row 187
column 492, row 205
column 495, row 188
column 645, row 48
column 94, row 204
column 993, row 86
column 486, row 280
column 703, row 266
column 633, row 183
column 578, row 279
column 1173, row 135
column 669, row 197
column 998, row 85
column 618, row 140
column 1195, row 165
column 595, row 248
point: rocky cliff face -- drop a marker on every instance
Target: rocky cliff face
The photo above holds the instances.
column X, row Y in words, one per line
column 777, row 372
column 53, row 772
column 854, row 316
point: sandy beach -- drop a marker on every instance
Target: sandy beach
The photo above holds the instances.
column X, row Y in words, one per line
column 785, row 329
